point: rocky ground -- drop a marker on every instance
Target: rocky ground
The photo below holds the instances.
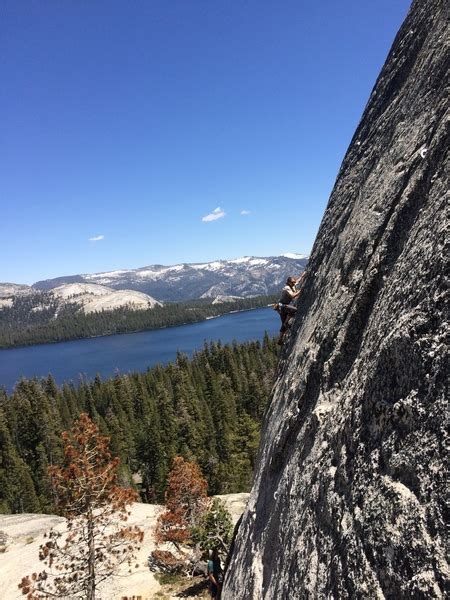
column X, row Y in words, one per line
column 24, row 533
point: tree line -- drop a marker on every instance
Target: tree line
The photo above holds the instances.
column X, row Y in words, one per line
column 207, row 409
column 39, row 318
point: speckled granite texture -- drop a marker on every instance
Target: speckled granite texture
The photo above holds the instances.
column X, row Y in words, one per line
column 348, row 495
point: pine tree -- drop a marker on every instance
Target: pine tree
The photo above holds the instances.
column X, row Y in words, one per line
column 97, row 539
column 17, row 493
column 153, row 464
column 245, row 448
column 215, row 528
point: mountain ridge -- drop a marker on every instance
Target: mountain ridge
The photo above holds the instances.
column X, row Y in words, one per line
column 242, row 277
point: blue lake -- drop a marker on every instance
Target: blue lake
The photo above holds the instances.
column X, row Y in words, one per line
column 68, row 361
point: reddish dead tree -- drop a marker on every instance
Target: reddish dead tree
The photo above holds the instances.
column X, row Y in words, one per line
column 186, row 502
column 97, row 540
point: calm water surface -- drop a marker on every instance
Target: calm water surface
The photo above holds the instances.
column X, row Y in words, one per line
column 68, row 361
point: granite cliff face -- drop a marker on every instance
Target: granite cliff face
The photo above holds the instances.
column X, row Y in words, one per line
column 348, row 496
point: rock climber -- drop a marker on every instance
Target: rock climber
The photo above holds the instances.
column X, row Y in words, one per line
column 284, row 305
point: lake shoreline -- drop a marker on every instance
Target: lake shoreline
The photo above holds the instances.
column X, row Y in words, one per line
column 106, row 335
column 131, row 352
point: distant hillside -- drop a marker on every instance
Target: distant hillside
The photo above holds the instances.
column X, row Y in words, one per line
column 25, row 301
column 243, row 277
column 12, row 289
column 93, row 298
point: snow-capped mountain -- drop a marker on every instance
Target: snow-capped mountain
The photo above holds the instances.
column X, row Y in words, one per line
column 242, row 277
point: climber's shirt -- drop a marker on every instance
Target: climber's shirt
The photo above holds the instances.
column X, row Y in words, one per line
column 287, row 295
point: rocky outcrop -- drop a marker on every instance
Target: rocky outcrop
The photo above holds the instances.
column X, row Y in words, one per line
column 348, row 495
column 95, row 298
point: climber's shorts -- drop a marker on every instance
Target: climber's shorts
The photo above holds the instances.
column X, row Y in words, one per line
column 286, row 312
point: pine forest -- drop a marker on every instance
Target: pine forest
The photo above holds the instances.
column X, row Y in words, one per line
column 207, row 409
column 39, row 318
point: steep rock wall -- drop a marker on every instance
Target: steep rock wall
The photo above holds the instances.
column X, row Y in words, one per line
column 348, row 496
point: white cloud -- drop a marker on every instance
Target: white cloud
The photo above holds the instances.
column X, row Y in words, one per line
column 97, row 238
column 246, row 212
column 217, row 213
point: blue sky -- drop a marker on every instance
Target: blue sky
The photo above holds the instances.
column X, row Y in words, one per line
column 132, row 121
